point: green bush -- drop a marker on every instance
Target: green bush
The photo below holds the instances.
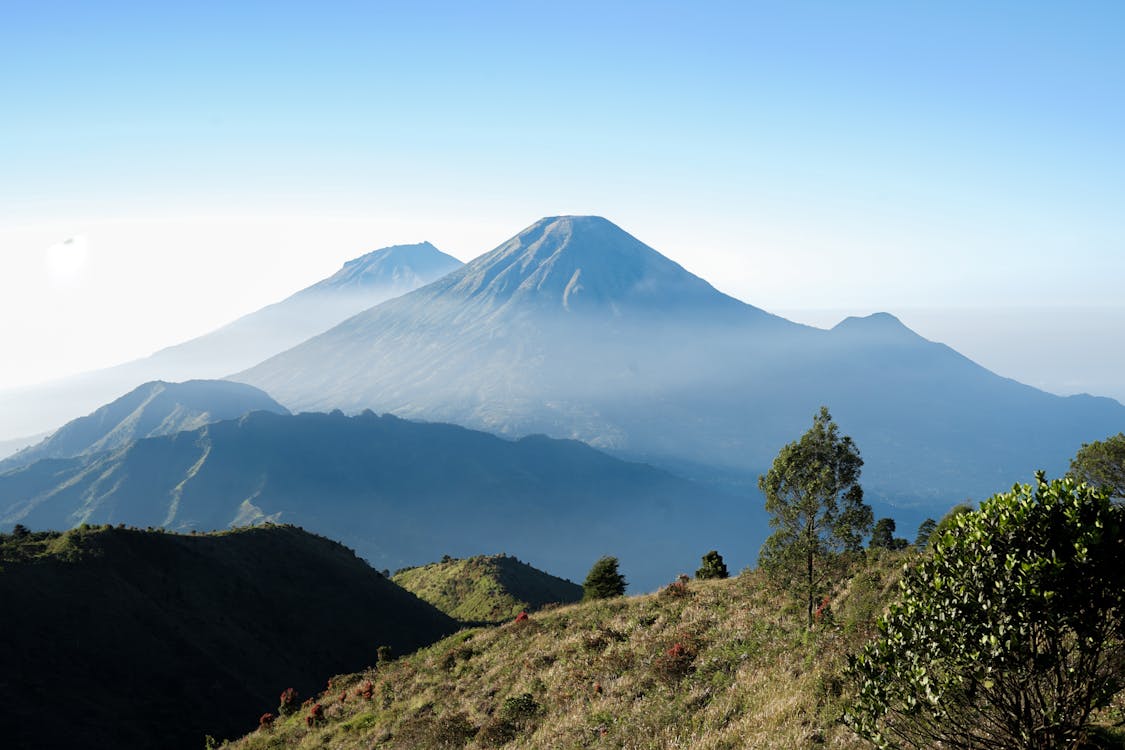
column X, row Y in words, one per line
column 1010, row 636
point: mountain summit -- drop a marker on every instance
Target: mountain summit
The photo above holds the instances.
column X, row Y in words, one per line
column 360, row 284
column 580, row 263
column 574, row 328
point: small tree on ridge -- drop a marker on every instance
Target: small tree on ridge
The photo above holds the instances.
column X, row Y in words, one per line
column 816, row 508
column 603, row 581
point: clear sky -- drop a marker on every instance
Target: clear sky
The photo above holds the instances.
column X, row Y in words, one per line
column 204, row 159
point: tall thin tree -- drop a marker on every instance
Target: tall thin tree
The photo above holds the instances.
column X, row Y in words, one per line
column 816, row 508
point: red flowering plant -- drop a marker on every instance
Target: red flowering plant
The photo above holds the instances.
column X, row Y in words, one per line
column 265, row 721
column 675, row 663
column 823, row 611
column 289, row 699
column 315, row 716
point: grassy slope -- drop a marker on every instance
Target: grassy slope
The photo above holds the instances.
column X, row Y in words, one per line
column 126, row 638
column 601, row 675
column 489, row 588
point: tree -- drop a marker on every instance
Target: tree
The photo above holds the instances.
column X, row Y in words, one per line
column 816, row 507
column 603, row 581
column 1009, row 635
column 712, row 566
column 883, row 536
column 1102, row 464
column 925, row 531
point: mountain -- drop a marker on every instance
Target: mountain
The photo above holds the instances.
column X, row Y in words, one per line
column 120, row 638
column 14, row 445
column 361, row 283
column 149, row 410
column 575, row 329
column 400, row 493
column 488, row 588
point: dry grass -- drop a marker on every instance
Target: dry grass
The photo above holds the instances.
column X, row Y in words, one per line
column 745, row 674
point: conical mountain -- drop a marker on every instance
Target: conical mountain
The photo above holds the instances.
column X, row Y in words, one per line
column 574, row 328
column 360, row 284
column 570, row 313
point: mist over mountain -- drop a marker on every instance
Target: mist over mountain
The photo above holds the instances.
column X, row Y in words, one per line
column 574, row 328
column 152, row 409
column 361, row 283
column 400, row 493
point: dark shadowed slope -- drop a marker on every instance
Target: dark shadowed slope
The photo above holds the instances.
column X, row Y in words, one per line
column 116, row 638
column 574, row 328
column 400, row 493
column 150, row 410
column 361, row 283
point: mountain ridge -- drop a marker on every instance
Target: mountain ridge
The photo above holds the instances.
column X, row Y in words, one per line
column 401, row 493
column 149, row 410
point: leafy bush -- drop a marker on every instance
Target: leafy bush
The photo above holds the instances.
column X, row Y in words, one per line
column 1010, row 635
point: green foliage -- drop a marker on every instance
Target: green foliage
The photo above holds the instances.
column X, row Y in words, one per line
column 712, row 566
column 949, row 520
column 883, row 536
column 1010, row 635
column 816, row 507
column 926, row 530
column 603, row 581
column 1102, row 464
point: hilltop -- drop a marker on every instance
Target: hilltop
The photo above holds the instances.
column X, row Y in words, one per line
column 138, row 639
column 487, row 588
column 709, row 664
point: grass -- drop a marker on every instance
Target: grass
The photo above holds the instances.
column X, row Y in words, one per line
column 718, row 664
column 491, row 588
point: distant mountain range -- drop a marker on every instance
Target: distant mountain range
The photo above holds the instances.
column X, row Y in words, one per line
column 361, row 283
column 401, row 493
column 119, row 638
column 149, row 410
column 574, row 328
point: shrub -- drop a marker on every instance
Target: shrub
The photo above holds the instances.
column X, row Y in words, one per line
column 675, row 663
column 424, row 731
column 1010, row 635
column 521, row 617
column 519, row 709
column 289, row 702
column 675, row 590
column 315, row 716
column 712, row 566
column 265, row 721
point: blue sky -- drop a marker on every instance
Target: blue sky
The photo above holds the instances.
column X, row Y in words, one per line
column 213, row 157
